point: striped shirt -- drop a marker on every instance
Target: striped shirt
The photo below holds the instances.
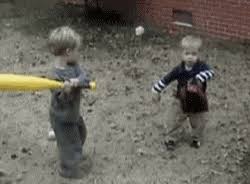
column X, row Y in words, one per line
column 200, row 71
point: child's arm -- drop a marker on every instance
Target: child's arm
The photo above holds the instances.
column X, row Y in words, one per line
column 166, row 80
column 205, row 74
column 82, row 80
column 59, row 93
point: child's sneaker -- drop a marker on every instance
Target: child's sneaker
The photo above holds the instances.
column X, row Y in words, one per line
column 51, row 135
column 71, row 173
column 195, row 143
column 170, row 144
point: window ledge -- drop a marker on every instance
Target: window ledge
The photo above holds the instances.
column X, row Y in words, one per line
column 182, row 24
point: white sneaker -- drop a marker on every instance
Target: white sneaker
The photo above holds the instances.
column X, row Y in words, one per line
column 51, row 135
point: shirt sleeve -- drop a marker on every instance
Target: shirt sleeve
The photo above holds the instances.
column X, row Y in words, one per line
column 159, row 86
column 83, row 78
column 205, row 73
column 58, row 93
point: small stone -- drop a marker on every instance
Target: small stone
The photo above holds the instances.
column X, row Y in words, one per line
column 35, row 164
column 216, row 172
column 238, row 162
column 185, row 181
column 113, row 125
column 3, row 173
column 8, row 181
column 106, row 158
column 172, row 156
column 42, row 62
column 139, row 133
column 90, row 110
column 139, row 136
column 232, row 170
column 127, row 90
column 38, row 93
column 245, row 147
column 129, row 117
column 13, row 156
column 225, row 146
column 225, row 98
column 117, row 36
column 19, row 59
column 241, row 138
column 7, row 24
column 204, row 161
column 136, row 139
column 25, row 150
column 91, row 44
column 108, row 137
column 233, row 139
column 232, row 122
column 140, row 152
column 155, row 59
column 17, row 46
column 222, row 124
column 37, row 57
column 19, row 177
column 4, row 142
column 166, row 47
column 99, row 29
column 92, row 101
column 234, row 129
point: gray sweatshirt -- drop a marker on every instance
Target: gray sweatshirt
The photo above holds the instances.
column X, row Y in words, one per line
column 65, row 107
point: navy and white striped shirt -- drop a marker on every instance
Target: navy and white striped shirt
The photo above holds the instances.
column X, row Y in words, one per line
column 200, row 71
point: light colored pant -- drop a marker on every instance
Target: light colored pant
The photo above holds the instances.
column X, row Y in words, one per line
column 177, row 119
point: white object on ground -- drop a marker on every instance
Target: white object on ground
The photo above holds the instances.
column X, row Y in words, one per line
column 51, row 135
column 139, row 30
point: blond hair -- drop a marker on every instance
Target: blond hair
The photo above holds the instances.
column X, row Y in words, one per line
column 191, row 42
column 63, row 38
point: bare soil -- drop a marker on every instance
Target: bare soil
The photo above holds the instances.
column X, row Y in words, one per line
column 125, row 129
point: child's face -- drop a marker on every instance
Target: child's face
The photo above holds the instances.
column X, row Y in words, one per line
column 190, row 56
column 72, row 56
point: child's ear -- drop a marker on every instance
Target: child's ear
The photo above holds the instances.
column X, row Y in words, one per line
column 68, row 51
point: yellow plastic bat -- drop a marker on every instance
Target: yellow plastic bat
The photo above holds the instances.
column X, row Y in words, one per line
column 15, row 82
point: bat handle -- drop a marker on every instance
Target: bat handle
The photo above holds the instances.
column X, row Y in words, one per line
column 92, row 85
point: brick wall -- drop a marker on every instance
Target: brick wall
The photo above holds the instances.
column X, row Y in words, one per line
column 220, row 18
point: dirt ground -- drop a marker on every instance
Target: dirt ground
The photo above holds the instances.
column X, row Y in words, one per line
column 125, row 130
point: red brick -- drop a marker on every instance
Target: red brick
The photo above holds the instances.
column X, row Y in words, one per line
column 221, row 18
column 227, row 18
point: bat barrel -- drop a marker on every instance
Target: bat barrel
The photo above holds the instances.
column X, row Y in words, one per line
column 14, row 82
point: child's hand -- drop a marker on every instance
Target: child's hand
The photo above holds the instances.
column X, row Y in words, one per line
column 74, row 82
column 67, row 87
column 156, row 97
